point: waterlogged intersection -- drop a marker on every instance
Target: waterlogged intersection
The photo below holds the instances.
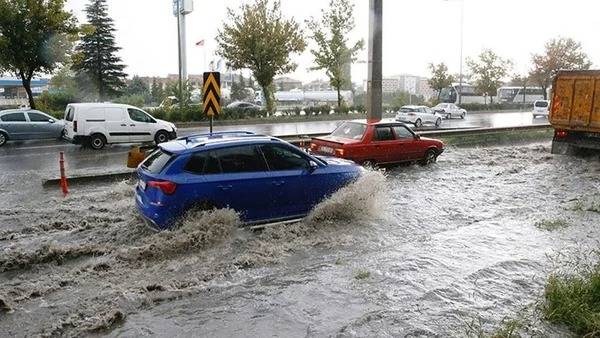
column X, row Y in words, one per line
column 410, row 251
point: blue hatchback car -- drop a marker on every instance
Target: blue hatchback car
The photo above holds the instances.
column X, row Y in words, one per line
column 263, row 178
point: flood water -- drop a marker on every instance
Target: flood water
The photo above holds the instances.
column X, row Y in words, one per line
column 410, row 251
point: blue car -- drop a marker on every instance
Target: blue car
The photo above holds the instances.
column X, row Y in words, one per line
column 263, row 178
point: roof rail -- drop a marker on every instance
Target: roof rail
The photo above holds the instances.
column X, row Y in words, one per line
column 220, row 134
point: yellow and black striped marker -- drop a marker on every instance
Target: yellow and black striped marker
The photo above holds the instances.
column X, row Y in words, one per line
column 211, row 101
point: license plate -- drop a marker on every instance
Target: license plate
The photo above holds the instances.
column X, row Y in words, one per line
column 142, row 185
column 327, row 150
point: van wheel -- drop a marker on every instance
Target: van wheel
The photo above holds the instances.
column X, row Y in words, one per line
column 97, row 141
column 161, row 137
column 3, row 139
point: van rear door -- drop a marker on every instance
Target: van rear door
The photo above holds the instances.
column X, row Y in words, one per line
column 117, row 125
column 69, row 130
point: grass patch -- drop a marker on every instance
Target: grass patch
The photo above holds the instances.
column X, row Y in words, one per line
column 509, row 328
column 361, row 275
column 551, row 224
column 580, row 205
column 574, row 301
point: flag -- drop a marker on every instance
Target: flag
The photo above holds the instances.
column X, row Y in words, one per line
column 200, row 43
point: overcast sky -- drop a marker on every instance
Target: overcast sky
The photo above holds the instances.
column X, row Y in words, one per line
column 415, row 32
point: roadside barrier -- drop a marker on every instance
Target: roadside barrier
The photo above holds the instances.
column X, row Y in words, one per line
column 63, row 178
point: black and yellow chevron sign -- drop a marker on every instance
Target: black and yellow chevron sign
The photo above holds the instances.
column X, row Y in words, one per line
column 212, row 93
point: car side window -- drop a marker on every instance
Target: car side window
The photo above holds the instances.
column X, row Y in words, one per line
column 37, row 117
column 241, row 159
column 139, row 116
column 402, row 132
column 13, row 117
column 383, row 134
column 283, row 158
column 203, row 163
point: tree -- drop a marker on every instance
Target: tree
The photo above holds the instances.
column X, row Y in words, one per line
column 157, row 92
column 34, row 38
column 137, row 87
column 333, row 55
column 559, row 54
column 96, row 64
column 440, row 78
column 260, row 39
column 488, row 72
column 238, row 92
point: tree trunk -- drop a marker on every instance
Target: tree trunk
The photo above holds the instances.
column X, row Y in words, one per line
column 439, row 95
column 339, row 99
column 544, row 92
column 27, row 85
column 268, row 98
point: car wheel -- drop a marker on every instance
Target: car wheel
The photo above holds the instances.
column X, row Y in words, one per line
column 3, row 139
column 418, row 123
column 448, row 116
column 438, row 121
column 97, row 141
column 161, row 137
column 369, row 164
column 430, row 157
column 462, row 116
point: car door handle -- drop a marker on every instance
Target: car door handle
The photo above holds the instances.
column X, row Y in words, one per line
column 132, row 125
column 278, row 183
column 224, row 187
column 123, row 125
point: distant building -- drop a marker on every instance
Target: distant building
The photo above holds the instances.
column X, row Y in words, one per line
column 416, row 85
column 12, row 92
column 286, row 83
column 318, row 85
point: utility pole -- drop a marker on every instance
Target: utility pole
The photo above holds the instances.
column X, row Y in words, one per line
column 180, row 9
column 460, row 76
column 375, row 70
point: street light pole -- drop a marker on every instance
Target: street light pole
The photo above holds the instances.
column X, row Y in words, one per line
column 180, row 55
column 460, row 75
column 375, row 68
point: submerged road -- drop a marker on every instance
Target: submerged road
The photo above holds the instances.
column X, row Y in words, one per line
column 42, row 156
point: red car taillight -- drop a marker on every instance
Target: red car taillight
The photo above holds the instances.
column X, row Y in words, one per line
column 75, row 126
column 339, row 152
column 560, row 133
column 165, row 186
column 313, row 147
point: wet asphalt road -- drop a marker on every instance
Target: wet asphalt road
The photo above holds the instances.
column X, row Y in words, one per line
column 42, row 156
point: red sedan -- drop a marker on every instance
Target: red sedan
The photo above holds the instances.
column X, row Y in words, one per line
column 377, row 143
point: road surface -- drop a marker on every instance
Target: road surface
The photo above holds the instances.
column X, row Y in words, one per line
column 42, row 156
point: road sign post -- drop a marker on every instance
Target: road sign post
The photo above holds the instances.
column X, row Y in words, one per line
column 211, row 91
column 374, row 79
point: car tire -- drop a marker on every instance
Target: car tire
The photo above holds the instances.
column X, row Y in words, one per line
column 462, row 116
column 430, row 157
column 448, row 116
column 418, row 123
column 3, row 138
column 161, row 137
column 369, row 163
column 438, row 122
column 97, row 141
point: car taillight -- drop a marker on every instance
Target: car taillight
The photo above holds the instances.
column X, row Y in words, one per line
column 165, row 186
column 75, row 126
column 561, row 133
column 313, row 146
column 339, row 152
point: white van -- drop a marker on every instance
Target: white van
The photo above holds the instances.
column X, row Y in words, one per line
column 98, row 124
column 540, row 108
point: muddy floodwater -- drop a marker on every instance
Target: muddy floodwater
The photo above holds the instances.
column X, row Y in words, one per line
column 410, row 251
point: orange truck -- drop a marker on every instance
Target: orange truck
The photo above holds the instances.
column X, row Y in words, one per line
column 575, row 111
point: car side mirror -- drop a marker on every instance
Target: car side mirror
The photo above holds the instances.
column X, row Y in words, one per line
column 312, row 166
column 51, row 120
column 417, row 137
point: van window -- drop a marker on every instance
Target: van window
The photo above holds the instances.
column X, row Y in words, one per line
column 157, row 161
column 69, row 115
column 13, row 117
column 541, row 104
column 139, row 116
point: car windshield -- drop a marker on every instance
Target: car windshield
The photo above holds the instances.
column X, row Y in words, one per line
column 408, row 110
column 541, row 104
column 350, row 130
column 157, row 161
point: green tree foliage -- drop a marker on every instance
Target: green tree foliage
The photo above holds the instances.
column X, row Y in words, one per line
column 488, row 71
column 440, row 78
column 137, row 87
column 259, row 38
column 172, row 89
column 238, row 92
column 99, row 70
column 330, row 34
column 34, row 38
column 157, row 92
column 562, row 53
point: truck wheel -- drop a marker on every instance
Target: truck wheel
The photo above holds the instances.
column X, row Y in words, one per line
column 97, row 141
column 161, row 137
column 3, row 139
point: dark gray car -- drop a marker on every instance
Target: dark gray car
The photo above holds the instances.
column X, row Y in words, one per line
column 28, row 124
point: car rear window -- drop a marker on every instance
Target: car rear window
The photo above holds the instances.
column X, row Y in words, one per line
column 541, row 104
column 409, row 110
column 350, row 130
column 157, row 161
